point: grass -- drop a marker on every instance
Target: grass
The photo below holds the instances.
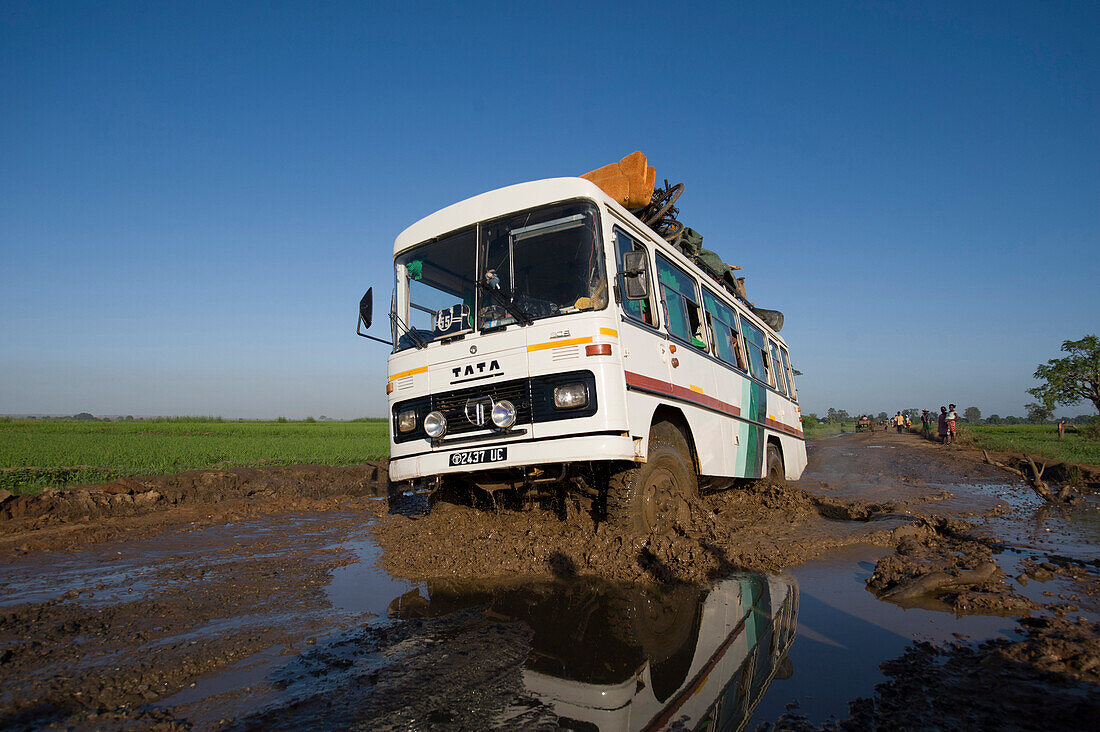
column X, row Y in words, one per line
column 1035, row 440
column 813, row 430
column 38, row 454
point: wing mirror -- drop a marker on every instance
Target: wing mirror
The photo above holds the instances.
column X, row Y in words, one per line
column 366, row 315
column 635, row 275
column 366, row 308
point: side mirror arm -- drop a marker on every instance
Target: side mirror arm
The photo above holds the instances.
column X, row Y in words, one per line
column 359, row 332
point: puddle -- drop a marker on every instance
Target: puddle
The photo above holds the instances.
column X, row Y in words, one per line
column 361, row 588
column 844, row 633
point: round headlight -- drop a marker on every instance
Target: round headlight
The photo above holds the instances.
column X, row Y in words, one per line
column 435, row 424
column 504, row 414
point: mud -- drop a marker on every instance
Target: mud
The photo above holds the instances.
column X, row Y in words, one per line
column 255, row 598
column 74, row 517
column 759, row 527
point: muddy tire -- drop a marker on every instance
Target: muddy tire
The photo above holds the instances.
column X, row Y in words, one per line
column 776, row 472
column 655, row 495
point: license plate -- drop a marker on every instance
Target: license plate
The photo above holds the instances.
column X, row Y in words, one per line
column 477, row 457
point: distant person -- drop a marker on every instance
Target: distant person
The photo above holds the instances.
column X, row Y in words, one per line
column 952, row 421
column 899, row 421
column 908, row 422
column 925, row 422
column 942, row 426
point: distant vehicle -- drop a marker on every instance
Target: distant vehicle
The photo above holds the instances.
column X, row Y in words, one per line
column 865, row 423
column 545, row 339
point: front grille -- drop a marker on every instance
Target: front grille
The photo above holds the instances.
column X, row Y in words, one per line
column 533, row 400
column 453, row 404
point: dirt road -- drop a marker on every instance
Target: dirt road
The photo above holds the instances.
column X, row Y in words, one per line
column 292, row 597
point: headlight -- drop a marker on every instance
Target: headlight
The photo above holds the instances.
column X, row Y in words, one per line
column 504, row 414
column 435, row 424
column 570, row 396
column 406, row 420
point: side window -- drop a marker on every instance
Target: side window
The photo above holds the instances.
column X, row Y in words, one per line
column 780, row 374
column 757, row 346
column 637, row 309
column 682, row 312
column 723, row 331
column 789, row 370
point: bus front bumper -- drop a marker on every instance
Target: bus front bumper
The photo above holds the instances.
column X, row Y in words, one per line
column 589, row 448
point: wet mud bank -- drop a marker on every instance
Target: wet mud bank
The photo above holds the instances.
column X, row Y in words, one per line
column 73, row 517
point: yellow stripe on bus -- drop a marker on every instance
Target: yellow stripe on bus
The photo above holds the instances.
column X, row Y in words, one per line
column 555, row 344
column 609, row 332
column 411, row 372
column 693, row 387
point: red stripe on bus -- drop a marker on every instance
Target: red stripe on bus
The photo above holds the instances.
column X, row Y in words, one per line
column 680, row 392
column 782, row 427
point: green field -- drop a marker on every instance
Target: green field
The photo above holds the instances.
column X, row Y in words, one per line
column 1035, row 440
column 812, row 429
column 37, row 454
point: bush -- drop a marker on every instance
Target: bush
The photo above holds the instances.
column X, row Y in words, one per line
column 1091, row 431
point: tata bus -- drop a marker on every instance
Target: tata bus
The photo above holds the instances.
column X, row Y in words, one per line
column 542, row 335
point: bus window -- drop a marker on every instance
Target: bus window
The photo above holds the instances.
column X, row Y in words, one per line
column 723, row 330
column 789, row 370
column 756, row 345
column 777, row 366
column 682, row 311
column 637, row 309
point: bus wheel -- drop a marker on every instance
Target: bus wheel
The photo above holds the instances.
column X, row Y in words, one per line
column 655, row 495
column 776, row 472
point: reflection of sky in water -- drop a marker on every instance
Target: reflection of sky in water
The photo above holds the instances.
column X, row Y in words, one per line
column 844, row 633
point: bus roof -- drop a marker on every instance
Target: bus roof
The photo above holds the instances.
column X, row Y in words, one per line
column 492, row 204
column 503, row 201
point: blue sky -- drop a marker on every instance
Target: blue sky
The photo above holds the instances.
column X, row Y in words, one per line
column 193, row 196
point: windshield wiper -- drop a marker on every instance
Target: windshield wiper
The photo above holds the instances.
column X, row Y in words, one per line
column 514, row 310
column 416, row 338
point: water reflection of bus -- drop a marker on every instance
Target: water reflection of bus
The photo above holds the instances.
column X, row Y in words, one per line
column 630, row 658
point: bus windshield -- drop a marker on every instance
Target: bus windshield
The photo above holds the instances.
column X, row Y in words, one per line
column 525, row 267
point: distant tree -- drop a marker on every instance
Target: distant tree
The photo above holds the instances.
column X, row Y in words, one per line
column 309, row 420
column 1013, row 420
column 85, row 417
column 809, row 418
column 911, row 412
column 993, row 419
column 973, row 415
column 1071, row 379
column 1038, row 413
column 881, row 416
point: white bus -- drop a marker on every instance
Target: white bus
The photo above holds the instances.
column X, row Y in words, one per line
column 543, row 335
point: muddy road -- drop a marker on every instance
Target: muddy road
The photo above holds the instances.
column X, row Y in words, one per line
column 897, row 584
